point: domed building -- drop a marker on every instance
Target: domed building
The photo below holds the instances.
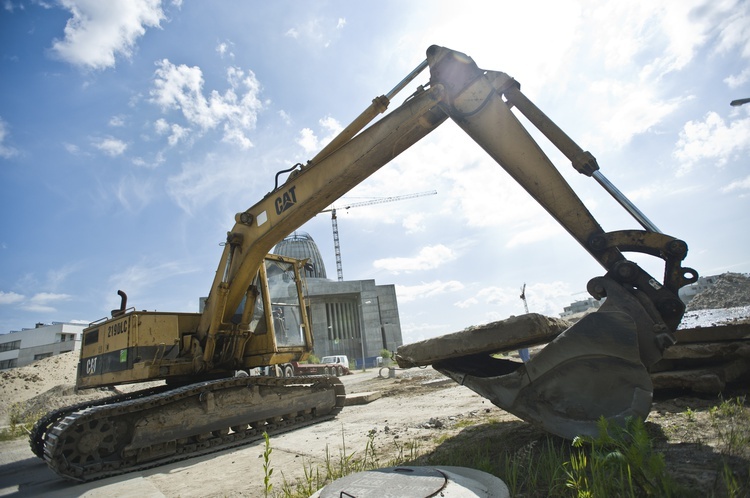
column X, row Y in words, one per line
column 300, row 245
column 342, row 313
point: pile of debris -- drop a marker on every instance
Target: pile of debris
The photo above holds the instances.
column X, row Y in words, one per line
column 731, row 290
column 713, row 344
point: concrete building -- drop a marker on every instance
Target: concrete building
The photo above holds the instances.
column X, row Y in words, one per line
column 20, row 348
column 357, row 318
column 581, row 306
column 688, row 292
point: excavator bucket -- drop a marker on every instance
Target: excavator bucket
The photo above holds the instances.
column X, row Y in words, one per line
column 593, row 369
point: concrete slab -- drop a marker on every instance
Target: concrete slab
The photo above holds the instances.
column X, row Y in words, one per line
column 707, row 380
column 728, row 350
column 723, row 332
column 361, row 398
column 511, row 334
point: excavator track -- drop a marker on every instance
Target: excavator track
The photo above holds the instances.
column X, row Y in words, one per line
column 108, row 438
column 38, row 433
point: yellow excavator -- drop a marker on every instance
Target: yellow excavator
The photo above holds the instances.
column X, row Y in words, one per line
column 597, row 368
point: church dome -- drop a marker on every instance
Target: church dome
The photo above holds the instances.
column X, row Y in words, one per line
column 300, row 245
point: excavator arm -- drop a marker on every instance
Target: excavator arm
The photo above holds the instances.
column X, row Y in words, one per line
column 604, row 357
column 596, row 368
column 309, row 190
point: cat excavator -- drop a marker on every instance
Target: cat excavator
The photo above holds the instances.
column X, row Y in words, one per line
column 597, row 368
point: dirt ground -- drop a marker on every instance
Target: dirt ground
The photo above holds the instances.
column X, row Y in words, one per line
column 417, row 408
column 420, row 413
column 403, row 414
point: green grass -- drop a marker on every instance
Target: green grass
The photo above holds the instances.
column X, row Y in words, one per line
column 619, row 462
column 343, row 464
column 20, row 423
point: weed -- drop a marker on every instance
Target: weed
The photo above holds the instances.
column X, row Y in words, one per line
column 346, row 463
column 267, row 469
column 618, row 462
column 731, row 420
column 690, row 415
column 20, row 422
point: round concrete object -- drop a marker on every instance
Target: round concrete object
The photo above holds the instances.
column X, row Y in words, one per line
column 417, row 482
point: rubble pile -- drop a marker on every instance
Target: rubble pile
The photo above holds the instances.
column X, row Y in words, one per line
column 730, row 290
column 713, row 344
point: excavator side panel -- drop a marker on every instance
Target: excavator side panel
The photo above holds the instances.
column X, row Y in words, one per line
column 135, row 347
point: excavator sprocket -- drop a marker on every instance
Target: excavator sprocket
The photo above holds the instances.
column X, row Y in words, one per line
column 111, row 438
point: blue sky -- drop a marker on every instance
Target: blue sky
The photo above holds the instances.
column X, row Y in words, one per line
column 131, row 132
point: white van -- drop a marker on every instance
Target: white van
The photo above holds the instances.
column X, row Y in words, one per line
column 337, row 359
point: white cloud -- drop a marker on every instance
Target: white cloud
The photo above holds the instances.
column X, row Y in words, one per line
column 71, row 148
column 408, row 293
column 626, row 109
column 43, row 302
column 175, row 131
column 730, row 20
column 161, row 126
column 317, row 32
column 545, row 298
column 117, row 121
column 49, row 297
column 199, row 183
column 310, row 142
column 10, row 298
column 429, row 257
column 224, row 50
column 743, row 184
column 236, row 137
column 414, row 223
column 134, row 193
column 285, row 117
column 138, row 277
column 99, row 31
column 711, row 140
column 111, row 146
column 235, row 111
column 536, row 233
column 6, row 151
column 307, row 140
column 736, row 81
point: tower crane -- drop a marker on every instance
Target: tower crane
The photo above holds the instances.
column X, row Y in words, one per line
column 335, row 225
